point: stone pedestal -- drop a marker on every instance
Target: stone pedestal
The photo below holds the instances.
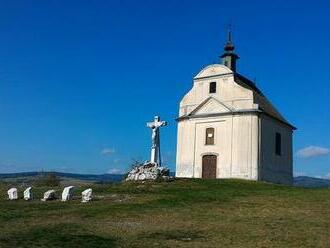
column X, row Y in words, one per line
column 148, row 171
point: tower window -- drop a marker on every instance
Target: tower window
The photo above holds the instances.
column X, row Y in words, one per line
column 278, row 144
column 209, row 139
column 213, row 87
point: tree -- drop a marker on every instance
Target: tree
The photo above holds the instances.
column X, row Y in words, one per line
column 48, row 179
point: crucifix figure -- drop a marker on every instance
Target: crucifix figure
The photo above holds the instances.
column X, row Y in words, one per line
column 155, row 148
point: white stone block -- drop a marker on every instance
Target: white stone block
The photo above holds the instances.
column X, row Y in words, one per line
column 12, row 194
column 28, row 195
column 86, row 195
column 49, row 195
column 67, row 193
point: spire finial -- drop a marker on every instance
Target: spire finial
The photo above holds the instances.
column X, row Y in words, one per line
column 229, row 57
column 229, row 34
column 229, row 47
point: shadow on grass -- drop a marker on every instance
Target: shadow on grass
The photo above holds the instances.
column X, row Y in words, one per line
column 64, row 235
column 177, row 235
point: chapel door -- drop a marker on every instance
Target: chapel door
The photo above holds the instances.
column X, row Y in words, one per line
column 209, row 167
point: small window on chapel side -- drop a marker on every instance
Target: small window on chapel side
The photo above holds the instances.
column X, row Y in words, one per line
column 209, row 136
column 278, row 144
column 213, row 87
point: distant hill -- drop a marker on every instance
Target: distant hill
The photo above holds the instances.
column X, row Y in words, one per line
column 26, row 176
column 311, row 182
column 302, row 181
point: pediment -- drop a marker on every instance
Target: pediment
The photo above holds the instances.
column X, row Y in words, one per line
column 211, row 106
column 213, row 70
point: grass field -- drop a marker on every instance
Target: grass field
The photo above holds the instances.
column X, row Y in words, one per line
column 182, row 213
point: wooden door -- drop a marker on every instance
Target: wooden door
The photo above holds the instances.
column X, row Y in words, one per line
column 209, row 166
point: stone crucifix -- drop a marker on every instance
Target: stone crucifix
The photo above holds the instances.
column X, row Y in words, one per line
column 155, row 147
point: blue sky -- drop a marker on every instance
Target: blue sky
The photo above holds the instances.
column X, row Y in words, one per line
column 80, row 79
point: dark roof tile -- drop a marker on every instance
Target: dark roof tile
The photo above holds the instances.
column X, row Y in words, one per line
column 260, row 99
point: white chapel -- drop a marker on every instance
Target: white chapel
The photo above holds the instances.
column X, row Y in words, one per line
column 228, row 129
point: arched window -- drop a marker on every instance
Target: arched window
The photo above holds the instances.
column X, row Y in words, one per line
column 209, row 139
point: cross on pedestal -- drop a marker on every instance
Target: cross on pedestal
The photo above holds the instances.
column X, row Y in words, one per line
column 155, row 147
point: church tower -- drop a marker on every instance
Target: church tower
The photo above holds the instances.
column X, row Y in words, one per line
column 227, row 128
column 229, row 58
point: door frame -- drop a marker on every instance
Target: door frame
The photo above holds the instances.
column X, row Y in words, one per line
column 216, row 164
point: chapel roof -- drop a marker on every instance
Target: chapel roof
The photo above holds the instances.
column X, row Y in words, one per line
column 228, row 67
column 259, row 98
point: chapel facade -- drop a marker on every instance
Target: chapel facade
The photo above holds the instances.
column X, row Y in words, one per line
column 227, row 128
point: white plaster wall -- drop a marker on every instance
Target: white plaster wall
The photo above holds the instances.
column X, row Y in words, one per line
column 245, row 147
column 229, row 92
column 221, row 147
column 275, row 168
column 185, row 149
column 237, row 156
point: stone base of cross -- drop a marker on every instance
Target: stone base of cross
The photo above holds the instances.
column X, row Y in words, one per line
column 155, row 147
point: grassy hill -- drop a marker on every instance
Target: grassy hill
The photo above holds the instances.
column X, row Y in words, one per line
column 182, row 213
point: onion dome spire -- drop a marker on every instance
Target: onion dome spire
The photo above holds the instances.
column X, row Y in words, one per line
column 229, row 57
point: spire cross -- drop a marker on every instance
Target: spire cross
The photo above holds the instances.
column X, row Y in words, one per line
column 229, row 33
column 229, row 57
column 155, row 137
